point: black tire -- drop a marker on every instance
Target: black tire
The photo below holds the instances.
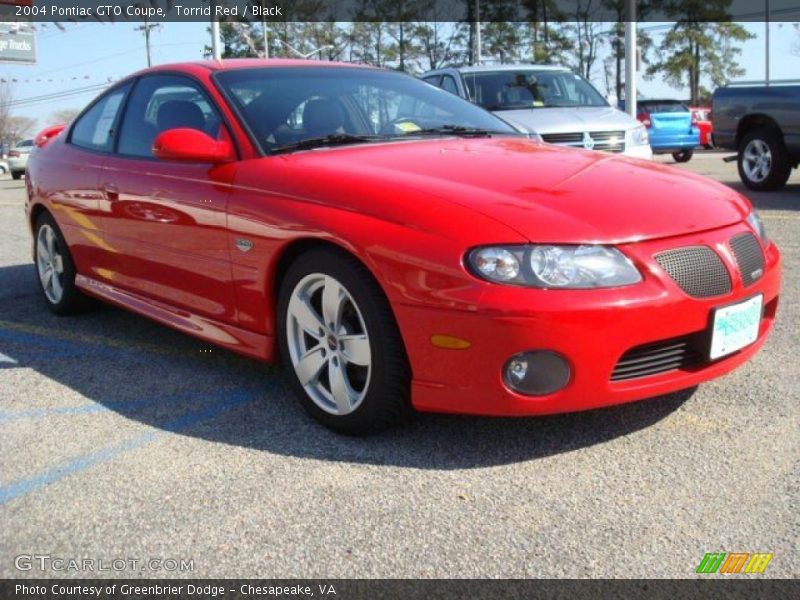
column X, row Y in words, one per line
column 17, row 174
column 387, row 394
column 781, row 165
column 683, row 156
column 708, row 146
column 72, row 301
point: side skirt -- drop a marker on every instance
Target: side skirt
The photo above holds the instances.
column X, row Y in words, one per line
column 245, row 342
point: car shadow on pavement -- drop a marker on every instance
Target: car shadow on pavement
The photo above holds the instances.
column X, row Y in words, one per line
column 787, row 198
column 120, row 362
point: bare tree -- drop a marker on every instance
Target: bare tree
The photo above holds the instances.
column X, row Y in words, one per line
column 6, row 98
column 19, row 128
column 65, row 115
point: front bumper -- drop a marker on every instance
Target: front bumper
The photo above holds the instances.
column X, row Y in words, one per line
column 591, row 328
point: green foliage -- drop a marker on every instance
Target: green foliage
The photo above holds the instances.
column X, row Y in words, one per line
column 700, row 47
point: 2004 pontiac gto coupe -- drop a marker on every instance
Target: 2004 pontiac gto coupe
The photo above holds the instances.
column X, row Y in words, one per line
column 395, row 246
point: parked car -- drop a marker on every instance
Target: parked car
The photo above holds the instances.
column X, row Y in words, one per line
column 3, row 167
column 763, row 125
column 551, row 103
column 702, row 116
column 393, row 245
column 18, row 158
column 671, row 126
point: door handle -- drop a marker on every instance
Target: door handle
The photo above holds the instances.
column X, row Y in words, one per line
column 111, row 192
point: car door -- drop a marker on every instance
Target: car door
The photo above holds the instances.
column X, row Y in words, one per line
column 167, row 219
column 69, row 179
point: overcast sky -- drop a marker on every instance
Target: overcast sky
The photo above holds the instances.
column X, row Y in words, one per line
column 87, row 54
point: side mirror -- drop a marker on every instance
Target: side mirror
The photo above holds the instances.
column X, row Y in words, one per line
column 191, row 145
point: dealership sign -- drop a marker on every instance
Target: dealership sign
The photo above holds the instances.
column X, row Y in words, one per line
column 17, row 43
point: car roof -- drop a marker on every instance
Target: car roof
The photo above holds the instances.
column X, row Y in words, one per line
column 232, row 64
column 502, row 67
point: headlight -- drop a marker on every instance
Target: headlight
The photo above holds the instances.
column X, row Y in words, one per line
column 756, row 223
column 561, row 267
column 638, row 136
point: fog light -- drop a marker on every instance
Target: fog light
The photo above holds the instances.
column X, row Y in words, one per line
column 536, row 373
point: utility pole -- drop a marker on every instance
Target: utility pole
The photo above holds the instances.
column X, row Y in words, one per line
column 265, row 31
column 477, row 32
column 630, row 57
column 216, row 43
column 766, row 24
column 146, row 28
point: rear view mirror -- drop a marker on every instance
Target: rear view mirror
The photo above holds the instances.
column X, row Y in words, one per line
column 191, row 145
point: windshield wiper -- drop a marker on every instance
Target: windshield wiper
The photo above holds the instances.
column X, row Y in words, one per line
column 335, row 139
column 458, row 130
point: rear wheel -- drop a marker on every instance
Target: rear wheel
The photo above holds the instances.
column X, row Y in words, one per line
column 341, row 345
column 763, row 160
column 55, row 269
column 683, row 156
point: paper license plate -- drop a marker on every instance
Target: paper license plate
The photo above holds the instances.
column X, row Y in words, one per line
column 735, row 326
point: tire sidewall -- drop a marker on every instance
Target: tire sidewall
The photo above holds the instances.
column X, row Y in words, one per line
column 71, row 297
column 362, row 289
column 779, row 167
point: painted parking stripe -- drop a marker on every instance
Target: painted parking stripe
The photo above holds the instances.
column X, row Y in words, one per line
column 7, row 359
column 25, row 486
column 10, row 416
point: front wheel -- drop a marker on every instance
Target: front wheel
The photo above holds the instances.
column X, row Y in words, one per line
column 340, row 344
column 763, row 161
column 55, row 269
column 683, row 156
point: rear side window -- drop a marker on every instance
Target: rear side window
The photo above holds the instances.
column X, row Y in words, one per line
column 94, row 130
column 663, row 106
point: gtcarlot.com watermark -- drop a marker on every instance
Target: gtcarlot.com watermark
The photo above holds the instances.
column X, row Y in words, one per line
column 62, row 564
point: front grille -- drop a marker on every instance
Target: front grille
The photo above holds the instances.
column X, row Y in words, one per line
column 660, row 357
column 607, row 141
column 749, row 257
column 698, row 271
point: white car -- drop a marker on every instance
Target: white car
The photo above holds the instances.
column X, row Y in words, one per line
column 18, row 158
column 548, row 102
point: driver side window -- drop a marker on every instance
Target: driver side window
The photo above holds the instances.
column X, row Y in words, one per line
column 160, row 103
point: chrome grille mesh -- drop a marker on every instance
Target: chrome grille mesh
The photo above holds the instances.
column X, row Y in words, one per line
column 749, row 257
column 608, row 141
column 698, row 270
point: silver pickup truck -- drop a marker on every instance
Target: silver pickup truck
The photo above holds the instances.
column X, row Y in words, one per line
column 763, row 125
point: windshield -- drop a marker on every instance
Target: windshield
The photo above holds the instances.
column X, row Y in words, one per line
column 287, row 106
column 530, row 88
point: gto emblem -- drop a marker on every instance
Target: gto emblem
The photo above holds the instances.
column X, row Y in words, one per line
column 244, row 245
column 756, row 274
column 588, row 141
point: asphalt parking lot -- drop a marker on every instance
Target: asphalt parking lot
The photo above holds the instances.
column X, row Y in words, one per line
column 120, row 438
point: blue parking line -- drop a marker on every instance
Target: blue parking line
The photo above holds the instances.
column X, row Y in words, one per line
column 25, row 486
column 10, row 416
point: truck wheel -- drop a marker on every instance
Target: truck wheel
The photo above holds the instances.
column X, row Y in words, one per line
column 764, row 163
column 683, row 156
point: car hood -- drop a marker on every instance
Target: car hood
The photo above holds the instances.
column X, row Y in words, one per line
column 569, row 120
column 543, row 192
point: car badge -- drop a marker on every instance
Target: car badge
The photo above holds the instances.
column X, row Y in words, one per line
column 588, row 141
column 244, row 245
column 757, row 273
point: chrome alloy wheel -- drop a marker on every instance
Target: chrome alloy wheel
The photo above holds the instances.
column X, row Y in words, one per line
column 328, row 344
column 757, row 160
column 50, row 264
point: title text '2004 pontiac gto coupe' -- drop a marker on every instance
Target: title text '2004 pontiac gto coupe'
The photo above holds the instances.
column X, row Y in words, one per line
column 395, row 246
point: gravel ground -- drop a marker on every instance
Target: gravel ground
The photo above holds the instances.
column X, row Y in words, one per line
column 123, row 439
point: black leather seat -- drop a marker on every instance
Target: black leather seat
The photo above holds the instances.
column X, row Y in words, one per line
column 180, row 114
column 322, row 116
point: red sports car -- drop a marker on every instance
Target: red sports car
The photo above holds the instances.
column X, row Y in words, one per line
column 394, row 246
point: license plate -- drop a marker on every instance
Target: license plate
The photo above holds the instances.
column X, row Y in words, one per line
column 735, row 326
